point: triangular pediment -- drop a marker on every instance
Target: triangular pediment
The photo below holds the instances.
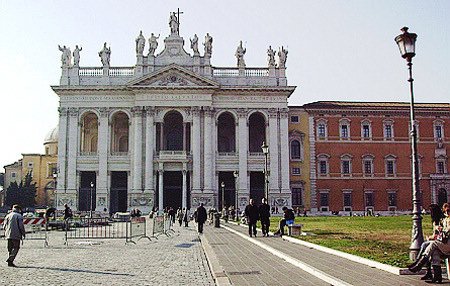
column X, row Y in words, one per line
column 173, row 76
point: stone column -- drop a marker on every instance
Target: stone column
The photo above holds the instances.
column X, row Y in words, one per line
column 243, row 151
column 149, row 147
column 195, row 149
column 161, row 136
column 103, row 139
column 62, row 145
column 137, row 148
column 72, row 151
column 161, row 189
column 284, row 154
column 273, row 152
column 184, row 191
column 208, row 171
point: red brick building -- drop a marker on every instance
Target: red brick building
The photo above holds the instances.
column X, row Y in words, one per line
column 360, row 156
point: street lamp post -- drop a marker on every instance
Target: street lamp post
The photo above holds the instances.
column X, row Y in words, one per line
column 236, row 191
column 222, row 185
column 265, row 149
column 92, row 191
column 406, row 43
column 55, row 180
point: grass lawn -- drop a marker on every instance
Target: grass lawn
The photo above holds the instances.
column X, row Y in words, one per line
column 384, row 239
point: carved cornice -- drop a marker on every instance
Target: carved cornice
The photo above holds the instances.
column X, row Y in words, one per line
column 62, row 111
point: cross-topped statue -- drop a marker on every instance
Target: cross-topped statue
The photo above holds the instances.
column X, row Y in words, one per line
column 174, row 22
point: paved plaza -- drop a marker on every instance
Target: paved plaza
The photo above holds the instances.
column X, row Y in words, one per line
column 220, row 256
column 175, row 260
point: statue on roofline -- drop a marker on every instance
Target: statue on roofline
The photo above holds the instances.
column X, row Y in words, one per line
column 271, row 57
column 153, row 44
column 240, row 52
column 105, row 55
column 140, row 44
column 282, row 57
column 66, row 56
column 76, row 56
column 208, row 45
column 194, row 44
column 174, row 24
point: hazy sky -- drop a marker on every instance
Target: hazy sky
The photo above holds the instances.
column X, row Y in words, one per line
column 338, row 50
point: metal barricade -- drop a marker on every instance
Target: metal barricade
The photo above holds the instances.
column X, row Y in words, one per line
column 168, row 225
column 2, row 232
column 95, row 228
column 35, row 229
column 138, row 229
column 158, row 226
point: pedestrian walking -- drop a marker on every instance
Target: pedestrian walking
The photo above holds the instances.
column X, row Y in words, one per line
column 67, row 215
column 201, row 217
column 264, row 216
column 252, row 214
column 180, row 216
column 14, row 232
column 186, row 217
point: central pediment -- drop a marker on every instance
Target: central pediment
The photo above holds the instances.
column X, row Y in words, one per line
column 173, row 76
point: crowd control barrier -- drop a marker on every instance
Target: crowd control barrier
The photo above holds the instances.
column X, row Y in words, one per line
column 138, row 229
column 34, row 229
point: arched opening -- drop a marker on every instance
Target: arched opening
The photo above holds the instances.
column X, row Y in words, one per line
column 120, row 132
column 89, row 133
column 442, row 197
column 226, row 133
column 256, row 132
column 173, row 131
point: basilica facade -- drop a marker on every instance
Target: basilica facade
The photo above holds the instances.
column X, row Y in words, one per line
column 173, row 130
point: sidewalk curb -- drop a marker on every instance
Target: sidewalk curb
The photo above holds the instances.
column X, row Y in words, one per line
column 216, row 269
column 351, row 257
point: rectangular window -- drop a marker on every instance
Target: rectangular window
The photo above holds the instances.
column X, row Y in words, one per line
column 440, row 167
column 390, row 167
column 295, row 171
column 388, row 131
column 344, row 131
column 297, row 197
column 347, row 200
column 30, row 165
column 369, row 199
column 392, row 199
column 367, row 167
column 324, row 200
column 323, row 167
column 13, row 174
column 321, row 130
column 294, row 119
column 366, row 131
column 438, row 131
column 345, row 167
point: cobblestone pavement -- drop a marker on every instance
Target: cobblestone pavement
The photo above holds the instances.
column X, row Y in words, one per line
column 245, row 262
column 175, row 260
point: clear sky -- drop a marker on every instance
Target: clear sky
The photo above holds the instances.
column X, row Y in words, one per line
column 338, row 50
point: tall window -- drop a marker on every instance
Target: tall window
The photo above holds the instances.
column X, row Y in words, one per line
column 392, row 199
column 438, row 129
column 295, row 150
column 324, row 201
column 441, row 167
column 369, row 199
column 388, row 129
column 366, row 132
column 323, row 164
column 346, row 165
column 347, row 201
column 344, row 126
column 390, row 165
column 297, row 197
column 322, row 129
column 368, row 165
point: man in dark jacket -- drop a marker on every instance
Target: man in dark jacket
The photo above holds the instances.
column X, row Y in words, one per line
column 264, row 216
column 252, row 214
column 201, row 217
column 14, row 232
column 288, row 218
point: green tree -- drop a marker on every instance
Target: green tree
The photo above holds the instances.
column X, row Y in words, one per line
column 23, row 194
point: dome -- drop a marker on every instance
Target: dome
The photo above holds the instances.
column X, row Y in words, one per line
column 52, row 136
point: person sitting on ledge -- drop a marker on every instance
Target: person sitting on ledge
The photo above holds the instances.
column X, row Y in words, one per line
column 288, row 219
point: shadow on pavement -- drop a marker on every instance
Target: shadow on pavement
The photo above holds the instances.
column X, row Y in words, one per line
column 77, row 270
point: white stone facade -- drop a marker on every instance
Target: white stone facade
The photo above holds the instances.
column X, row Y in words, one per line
column 174, row 104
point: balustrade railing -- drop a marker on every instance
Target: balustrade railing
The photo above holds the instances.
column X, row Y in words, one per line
column 172, row 152
column 234, row 72
column 85, row 153
column 122, row 71
column 258, row 72
column 119, row 153
column 88, row 71
column 226, row 72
